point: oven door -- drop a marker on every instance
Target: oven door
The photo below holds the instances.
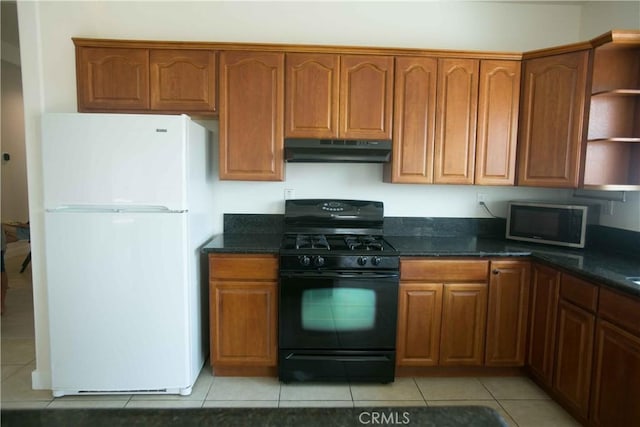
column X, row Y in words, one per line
column 338, row 311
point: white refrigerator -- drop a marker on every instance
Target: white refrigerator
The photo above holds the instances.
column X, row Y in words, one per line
column 128, row 205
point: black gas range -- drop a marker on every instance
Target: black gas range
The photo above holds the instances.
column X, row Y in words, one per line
column 338, row 293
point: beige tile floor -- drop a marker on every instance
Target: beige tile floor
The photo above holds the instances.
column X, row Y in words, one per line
column 517, row 399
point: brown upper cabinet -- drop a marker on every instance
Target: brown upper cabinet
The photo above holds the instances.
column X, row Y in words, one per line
column 456, row 116
column 414, row 120
column 183, row 80
column 146, row 80
column 112, row 79
column 438, row 106
column 552, row 121
column 251, row 115
column 497, row 134
column 338, row 96
column 312, row 94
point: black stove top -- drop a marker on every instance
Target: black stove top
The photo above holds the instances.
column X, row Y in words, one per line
column 335, row 235
column 335, row 243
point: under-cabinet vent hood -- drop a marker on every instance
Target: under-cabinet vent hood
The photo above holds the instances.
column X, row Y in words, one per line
column 337, row 150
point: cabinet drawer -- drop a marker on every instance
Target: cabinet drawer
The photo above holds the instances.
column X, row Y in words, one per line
column 620, row 309
column 243, row 267
column 579, row 292
column 450, row 270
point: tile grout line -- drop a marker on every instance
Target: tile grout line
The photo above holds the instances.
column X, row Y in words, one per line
column 498, row 402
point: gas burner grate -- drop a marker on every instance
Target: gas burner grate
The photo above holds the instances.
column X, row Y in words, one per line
column 368, row 243
column 310, row 241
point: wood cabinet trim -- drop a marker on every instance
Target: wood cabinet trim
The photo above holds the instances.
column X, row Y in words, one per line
column 269, row 47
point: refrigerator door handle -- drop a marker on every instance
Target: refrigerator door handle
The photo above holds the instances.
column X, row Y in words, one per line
column 114, row 209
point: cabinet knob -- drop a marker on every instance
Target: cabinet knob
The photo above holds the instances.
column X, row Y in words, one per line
column 496, row 271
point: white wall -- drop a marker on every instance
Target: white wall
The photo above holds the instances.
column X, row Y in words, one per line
column 15, row 206
column 598, row 16
column 48, row 64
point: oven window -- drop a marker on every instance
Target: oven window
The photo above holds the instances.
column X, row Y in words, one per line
column 338, row 309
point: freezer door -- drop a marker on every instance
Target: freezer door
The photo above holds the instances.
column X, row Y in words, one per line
column 114, row 159
column 118, row 292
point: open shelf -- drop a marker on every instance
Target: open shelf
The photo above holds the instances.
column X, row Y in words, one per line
column 614, row 139
column 612, row 156
column 617, row 92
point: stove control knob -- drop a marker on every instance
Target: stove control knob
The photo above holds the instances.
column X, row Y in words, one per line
column 376, row 260
column 318, row 261
column 362, row 260
column 304, row 260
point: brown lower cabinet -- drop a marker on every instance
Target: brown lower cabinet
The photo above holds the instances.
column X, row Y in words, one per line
column 507, row 313
column 419, row 320
column 441, row 312
column 572, row 378
column 584, row 339
column 545, row 286
column 616, row 379
column 616, row 375
column 464, row 315
column 243, row 305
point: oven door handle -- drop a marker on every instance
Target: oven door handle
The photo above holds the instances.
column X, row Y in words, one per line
column 340, row 275
column 337, row 358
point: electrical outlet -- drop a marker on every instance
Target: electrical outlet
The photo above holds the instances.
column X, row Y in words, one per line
column 481, row 197
column 289, row 193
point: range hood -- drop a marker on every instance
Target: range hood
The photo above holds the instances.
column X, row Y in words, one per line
column 336, row 150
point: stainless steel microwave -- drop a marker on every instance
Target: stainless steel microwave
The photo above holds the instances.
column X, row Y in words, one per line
column 550, row 223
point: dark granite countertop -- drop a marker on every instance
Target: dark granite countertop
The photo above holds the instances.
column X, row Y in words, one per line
column 243, row 243
column 606, row 268
column 440, row 416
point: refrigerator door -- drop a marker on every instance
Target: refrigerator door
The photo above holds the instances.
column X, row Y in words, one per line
column 119, row 309
column 114, row 159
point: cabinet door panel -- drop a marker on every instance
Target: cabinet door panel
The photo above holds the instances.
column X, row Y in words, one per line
column 183, row 80
column 419, row 317
column 251, row 116
column 545, row 284
column 366, row 97
column 456, row 121
column 112, row 79
column 243, row 323
column 552, row 120
column 313, row 88
column 572, row 378
column 463, row 324
column 498, row 101
column 414, row 120
column 616, row 379
column 507, row 313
